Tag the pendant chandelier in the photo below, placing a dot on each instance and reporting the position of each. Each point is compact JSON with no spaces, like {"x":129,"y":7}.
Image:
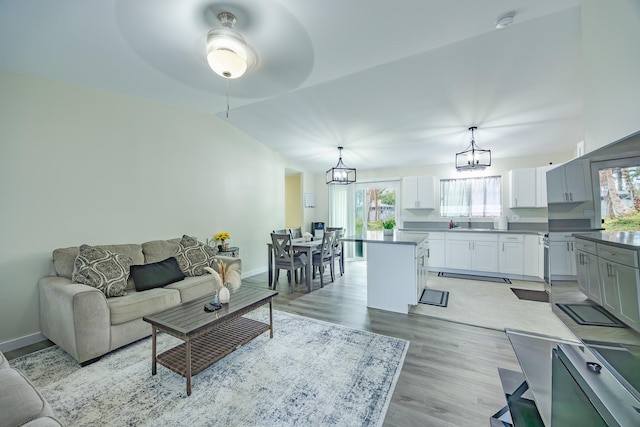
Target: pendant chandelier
{"x":340,"y":174}
{"x":474,"y":157}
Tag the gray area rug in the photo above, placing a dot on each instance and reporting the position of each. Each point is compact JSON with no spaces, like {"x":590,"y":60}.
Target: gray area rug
{"x":592,"y":315}
{"x":434,"y":297}
{"x":310,"y":373}
{"x":474,"y":277}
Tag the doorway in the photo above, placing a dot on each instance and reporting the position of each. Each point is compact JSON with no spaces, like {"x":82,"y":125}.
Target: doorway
{"x":374,"y":203}
{"x":293,"y":210}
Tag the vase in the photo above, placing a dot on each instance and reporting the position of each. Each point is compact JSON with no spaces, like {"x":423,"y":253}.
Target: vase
{"x":387,"y":232}
{"x":219,"y":248}
{"x":224,"y":295}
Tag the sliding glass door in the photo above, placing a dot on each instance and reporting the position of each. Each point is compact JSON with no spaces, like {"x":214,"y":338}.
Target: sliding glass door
{"x":374,"y":203}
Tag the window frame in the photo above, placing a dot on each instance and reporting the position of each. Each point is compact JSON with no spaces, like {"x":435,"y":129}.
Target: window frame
{"x":488,"y":212}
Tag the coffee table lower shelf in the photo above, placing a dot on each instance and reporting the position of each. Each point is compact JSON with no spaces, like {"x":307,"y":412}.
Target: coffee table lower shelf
{"x":212,"y":346}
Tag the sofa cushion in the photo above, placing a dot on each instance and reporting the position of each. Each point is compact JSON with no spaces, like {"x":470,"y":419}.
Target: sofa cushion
{"x":157,"y":250}
{"x":156,"y":274}
{"x":64,"y":258}
{"x":136,"y":305}
{"x":104,"y":270}
{"x":194,"y":287}
{"x":193,"y":256}
{"x":20,"y":402}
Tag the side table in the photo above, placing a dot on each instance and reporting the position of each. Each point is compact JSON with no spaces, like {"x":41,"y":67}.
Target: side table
{"x":232,"y":251}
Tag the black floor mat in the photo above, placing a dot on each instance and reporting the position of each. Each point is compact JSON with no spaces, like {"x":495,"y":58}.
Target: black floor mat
{"x":530,"y":295}
{"x":434,"y":297}
{"x":472,"y":277}
{"x":592,"y":315}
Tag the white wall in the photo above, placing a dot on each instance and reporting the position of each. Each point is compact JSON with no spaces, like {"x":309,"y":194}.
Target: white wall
{"x":447,"y":170}
{"x":611,"y":58}
{"x":79,"y":165}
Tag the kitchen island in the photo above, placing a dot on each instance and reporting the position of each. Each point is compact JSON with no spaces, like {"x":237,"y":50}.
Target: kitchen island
{"x":397,"y":268}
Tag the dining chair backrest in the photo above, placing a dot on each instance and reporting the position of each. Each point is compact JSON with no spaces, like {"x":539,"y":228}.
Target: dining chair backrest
{"x":326,"y":248}
{"x":281,"y":231}
{"x":296,"y":233}
{"x":281,"y":243}
{"x":337,"y":240}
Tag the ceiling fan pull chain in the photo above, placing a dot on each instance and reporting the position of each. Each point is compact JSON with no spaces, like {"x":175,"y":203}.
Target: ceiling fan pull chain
{"x":227,"y":98}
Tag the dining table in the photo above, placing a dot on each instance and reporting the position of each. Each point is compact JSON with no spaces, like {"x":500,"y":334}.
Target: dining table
{"x":299,"y":245}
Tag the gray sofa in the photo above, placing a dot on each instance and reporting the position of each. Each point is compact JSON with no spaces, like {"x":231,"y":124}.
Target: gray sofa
{"x":21,"y":404}
{"x":87,"y":325}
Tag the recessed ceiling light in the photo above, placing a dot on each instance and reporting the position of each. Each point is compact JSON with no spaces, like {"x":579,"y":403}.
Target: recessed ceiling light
{"x":505,"y":20}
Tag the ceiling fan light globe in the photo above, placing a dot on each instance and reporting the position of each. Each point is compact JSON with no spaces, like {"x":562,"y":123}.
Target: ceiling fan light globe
{"x":226,"y":63}
{"x":226,"y":53}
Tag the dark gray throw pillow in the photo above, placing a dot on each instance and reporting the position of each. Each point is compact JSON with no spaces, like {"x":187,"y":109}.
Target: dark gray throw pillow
{"x":156,"y":274}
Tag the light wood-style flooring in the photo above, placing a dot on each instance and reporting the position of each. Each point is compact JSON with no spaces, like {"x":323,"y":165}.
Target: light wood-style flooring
{"x":449,"y":377}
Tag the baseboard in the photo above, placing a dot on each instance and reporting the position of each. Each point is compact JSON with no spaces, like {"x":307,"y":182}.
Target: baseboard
{"x":250,"y":273}
{"x":22,"y":342}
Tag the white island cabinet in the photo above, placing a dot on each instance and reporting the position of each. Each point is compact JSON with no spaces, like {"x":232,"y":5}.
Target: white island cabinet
{"x":397,"y":268}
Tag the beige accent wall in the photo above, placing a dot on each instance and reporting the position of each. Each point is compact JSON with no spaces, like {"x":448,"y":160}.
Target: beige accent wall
{"x":611,"y":58}
{"x":293,"y":201}
{"x":79,"y":165}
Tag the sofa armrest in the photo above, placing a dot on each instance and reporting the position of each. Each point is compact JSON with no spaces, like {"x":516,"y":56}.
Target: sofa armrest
{"x":75,"y":316}
{"x":228,"y":261}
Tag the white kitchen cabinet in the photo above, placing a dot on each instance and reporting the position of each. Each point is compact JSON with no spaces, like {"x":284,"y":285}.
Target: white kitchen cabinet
{"x":458,"y":254}
{"x":472,"y":251}
{"x":422,"y":267}
{"x":522,"y":188}
{"x":436,"y":251}
{"x":620,"y":278}
{"x":511,"y":254}
{"x":533,"y":252}
{"x":484,"y":255}
{"x":587,"y":270}
{"x":418,"y":192}
{"x":541,"y":185}
{"x":569,"y":183}
{"x":562,"y":256}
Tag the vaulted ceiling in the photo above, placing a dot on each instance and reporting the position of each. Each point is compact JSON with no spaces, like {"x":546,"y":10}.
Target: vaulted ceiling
{"x":395,"y":83}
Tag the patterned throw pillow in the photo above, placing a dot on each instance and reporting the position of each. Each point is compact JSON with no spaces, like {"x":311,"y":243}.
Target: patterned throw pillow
{"x":193,"y":256}
{"x":104,"y":270}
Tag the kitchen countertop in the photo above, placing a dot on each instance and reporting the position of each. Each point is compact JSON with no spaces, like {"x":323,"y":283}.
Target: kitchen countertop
{"x":626,"y":240}
{"x":399,"y":237}
{"x":471,"y":230}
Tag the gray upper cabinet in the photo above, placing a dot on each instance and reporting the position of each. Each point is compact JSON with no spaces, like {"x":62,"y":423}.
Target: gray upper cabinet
{"x":569,"y":183}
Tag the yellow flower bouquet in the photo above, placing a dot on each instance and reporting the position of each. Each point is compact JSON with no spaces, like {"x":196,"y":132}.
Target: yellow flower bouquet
{"x":222,"y":236}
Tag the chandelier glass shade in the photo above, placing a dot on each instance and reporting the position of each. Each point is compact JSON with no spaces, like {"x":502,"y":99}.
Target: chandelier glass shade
{"x":341,"y":174}
{"x":227,"y":52}
{"x":474,"y":157}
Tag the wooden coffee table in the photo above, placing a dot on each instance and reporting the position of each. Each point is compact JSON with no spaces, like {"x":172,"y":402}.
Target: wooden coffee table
{"x":208,"y":337}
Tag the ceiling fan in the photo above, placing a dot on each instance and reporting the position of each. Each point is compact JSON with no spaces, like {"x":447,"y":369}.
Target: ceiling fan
{"x":172,"y":37}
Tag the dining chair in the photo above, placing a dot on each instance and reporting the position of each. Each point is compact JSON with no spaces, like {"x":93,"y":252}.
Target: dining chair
{"x":296,"y":233}
{"x":286,"y":259}
{"x":324,"y":256}
{"x":337,"y":246}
